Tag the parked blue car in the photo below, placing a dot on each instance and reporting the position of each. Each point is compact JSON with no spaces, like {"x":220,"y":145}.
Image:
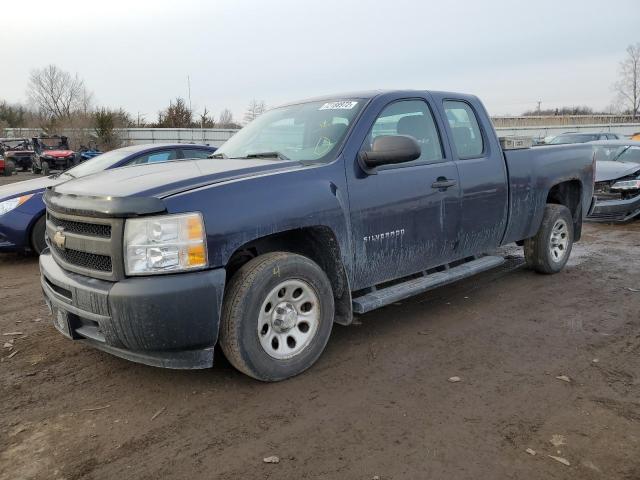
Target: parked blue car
{"x":22,"y":221}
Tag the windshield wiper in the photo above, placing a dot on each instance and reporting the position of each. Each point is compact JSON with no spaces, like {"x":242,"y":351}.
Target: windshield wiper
{"x":273,"y":154}
{"x":622,"y":152}
{"x":218,"y":155}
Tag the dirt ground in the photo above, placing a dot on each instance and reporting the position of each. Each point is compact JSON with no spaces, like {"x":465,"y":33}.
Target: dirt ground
{"x":378,"y":403}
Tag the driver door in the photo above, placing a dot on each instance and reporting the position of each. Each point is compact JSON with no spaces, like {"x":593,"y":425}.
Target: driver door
{"x":403,"y":219}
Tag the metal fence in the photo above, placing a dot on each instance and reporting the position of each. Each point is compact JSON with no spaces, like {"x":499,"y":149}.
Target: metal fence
{"x":217,"y":136}
{"x":560,"y":120}
{"x":137,"y":136}
{"x":552,"y":130}
{"x":209,"y":136}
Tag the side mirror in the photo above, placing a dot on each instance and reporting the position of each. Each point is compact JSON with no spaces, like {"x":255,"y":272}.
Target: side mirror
{"x":390,"y":149}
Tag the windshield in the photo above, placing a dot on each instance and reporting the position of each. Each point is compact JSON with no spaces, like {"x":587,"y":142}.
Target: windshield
{"x":626,"y":154}
{"x":16,"y":143}
{"x":99,"y":163}
{"x":573,"y":139}
{"x":51,"y":144}
{"x":306,"y":131}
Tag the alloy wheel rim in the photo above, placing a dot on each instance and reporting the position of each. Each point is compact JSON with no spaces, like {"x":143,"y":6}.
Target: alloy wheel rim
{"x":289,"y":319}
{"x":559,"y":241}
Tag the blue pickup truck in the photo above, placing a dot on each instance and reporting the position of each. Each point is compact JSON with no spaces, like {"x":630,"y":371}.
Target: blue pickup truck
{"x":315,"y":212}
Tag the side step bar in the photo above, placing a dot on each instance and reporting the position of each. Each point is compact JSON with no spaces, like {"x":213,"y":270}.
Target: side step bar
{"x":395,"y":293}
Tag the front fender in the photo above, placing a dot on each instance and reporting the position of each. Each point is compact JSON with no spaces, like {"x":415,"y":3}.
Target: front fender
{"x":16,"y":225}
{"x":241,"y":211}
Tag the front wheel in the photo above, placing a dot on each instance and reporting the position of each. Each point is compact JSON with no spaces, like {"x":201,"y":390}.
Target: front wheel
{"x":548,"y":251}
{"x":277,"y":316}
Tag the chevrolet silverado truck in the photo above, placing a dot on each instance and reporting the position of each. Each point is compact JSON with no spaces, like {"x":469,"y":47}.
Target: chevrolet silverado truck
{"x":313,"y":213}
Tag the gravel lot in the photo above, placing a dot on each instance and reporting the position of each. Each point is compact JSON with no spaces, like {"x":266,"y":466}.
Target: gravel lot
{"x":378,"y":403}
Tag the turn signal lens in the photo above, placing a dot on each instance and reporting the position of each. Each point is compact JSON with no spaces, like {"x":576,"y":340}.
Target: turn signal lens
{"x":194,"y":228}
{"x":197,"y":256}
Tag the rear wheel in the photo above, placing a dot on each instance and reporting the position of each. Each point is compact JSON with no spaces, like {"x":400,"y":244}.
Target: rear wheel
{"x":549,"y":250}
{"x":277,"y":316}
{"x":37,"y":236}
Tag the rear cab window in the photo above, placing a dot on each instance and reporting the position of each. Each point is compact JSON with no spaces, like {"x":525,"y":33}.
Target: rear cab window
{"x":465,"y":130}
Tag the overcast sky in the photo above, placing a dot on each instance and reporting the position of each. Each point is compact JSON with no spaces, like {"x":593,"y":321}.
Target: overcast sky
{"x":137,"y":54}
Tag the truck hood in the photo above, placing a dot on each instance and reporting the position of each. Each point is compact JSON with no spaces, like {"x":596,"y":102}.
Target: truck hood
{"x":29,"y":186}
{"x":138,"y":190}
{"x":607,"y":170}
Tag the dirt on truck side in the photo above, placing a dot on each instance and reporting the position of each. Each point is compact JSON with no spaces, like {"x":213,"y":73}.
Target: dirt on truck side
{"x":548,"y":388}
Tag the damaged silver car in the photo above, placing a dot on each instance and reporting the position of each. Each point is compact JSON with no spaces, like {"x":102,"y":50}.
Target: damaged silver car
{"x":617,"y":187}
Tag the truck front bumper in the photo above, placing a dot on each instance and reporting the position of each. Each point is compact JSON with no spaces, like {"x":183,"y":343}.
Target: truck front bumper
{"x":615,"y":210}
{"x":166,"y":321}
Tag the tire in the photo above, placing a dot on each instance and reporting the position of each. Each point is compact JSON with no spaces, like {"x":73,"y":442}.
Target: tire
{"x":276,"y":295}
{"x":549,"y":250}
{"x":9,"y":168}
{"x":45,"y":169}
{"x":37,"y":236}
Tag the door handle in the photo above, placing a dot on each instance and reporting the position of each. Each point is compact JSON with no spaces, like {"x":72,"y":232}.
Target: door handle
{"x":442,"y":183}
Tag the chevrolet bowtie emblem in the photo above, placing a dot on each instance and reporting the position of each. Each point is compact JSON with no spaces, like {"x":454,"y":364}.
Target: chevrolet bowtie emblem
{"x":59,"y":239}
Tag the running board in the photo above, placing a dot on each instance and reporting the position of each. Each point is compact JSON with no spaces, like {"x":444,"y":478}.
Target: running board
{"x":384,"y":296}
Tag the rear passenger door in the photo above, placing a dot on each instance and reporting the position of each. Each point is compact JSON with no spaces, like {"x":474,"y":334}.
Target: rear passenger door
{"x":483,"y":177}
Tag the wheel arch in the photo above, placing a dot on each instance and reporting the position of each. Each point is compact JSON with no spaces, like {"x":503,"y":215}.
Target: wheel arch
{"x":569,"y":194}
{"x":320,"y":244}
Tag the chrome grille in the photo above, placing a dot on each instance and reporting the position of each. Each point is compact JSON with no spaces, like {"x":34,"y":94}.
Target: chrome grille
{"x":91,"y":229}
{"x":86,"y":245}
{"x":101,"y":263}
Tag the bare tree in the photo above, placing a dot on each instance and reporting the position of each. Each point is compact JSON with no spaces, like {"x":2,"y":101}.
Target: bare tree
{"x":254,"y":110}
{"x":226,"y":119}
{"x":58,"y":94}
{"x":628,"y":85}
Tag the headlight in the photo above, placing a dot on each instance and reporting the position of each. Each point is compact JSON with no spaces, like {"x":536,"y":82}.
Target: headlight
{"x":12,"y":203}
{"x":164,"y":244}
{"x":626,"y":185}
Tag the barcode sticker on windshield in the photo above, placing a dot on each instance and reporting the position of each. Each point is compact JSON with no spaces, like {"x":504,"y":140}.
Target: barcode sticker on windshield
{"x":342,"y":105}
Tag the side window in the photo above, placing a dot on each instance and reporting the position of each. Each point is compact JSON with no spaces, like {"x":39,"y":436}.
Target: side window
{"x":195,"y":153}
{"x":413,"y":118}
{"x":155,"y":157}
{"x":467,"y":137}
